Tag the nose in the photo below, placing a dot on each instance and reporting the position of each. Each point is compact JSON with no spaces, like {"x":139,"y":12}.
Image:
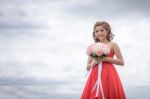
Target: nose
{"x":99,"y":32}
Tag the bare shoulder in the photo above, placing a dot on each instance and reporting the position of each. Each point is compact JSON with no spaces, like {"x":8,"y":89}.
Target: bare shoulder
{"x":114,"y":45}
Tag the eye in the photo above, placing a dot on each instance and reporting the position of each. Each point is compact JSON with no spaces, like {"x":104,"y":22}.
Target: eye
{"x":96,"y":31}
{"x":102,"y":30}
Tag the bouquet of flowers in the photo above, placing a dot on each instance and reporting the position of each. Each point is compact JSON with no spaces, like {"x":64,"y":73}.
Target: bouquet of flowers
{"x":98,"y":50}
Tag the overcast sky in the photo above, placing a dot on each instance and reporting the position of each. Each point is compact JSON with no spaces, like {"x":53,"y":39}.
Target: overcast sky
{"x":43,"y":43}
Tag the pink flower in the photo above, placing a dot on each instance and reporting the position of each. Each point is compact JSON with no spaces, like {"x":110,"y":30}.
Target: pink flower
{"x":97,"y":50}
{"x":89,"y":50}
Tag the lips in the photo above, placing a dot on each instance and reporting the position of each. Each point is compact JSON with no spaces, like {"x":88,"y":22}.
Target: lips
{"x":100,"y":37}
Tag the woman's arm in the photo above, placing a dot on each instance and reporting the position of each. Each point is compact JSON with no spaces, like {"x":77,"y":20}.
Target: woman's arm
{"x":117,"y":51}
{"x":91,"y":61}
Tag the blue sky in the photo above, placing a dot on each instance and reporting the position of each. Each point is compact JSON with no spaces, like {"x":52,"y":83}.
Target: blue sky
{"x":43,"y":43}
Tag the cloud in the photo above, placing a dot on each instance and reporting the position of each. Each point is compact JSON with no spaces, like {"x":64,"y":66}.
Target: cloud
{"x":35,"y":88}
{"x":109,"y":9}
{"x":42,"y":46}
{"x":22,"y":16}
{"x":138,"y":92}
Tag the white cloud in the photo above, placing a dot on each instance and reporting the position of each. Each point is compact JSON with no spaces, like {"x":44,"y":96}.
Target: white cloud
{"x":47,"y":40}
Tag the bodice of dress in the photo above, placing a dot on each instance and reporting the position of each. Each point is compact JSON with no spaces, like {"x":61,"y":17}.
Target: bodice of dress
{"x":111,"y":53}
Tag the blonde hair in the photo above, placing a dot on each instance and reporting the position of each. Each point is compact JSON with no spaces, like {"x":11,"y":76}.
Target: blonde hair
{"x":107,"y":27}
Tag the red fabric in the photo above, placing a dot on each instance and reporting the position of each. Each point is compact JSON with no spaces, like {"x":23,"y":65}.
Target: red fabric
{"x":111,"y":83}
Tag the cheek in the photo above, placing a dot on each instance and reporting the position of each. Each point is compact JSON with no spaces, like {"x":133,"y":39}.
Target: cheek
{"x":105,"y":33}
{"x":95,"y":34}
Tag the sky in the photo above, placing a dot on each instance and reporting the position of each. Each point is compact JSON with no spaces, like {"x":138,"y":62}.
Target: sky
{"x":43,"y":43}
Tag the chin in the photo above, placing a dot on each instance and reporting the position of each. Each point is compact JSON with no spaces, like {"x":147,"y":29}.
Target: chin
{"x":101,"y":39}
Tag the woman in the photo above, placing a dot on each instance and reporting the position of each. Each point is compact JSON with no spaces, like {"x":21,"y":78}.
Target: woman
{"x":111,"y":85}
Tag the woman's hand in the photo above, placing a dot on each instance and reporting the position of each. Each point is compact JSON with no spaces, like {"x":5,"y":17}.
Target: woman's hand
{"x":94,"y":62}
{"x":99,"y":60}
{"x":88,"y":67}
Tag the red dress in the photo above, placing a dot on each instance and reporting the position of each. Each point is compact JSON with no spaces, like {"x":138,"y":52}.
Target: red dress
{"x":111,"y":84}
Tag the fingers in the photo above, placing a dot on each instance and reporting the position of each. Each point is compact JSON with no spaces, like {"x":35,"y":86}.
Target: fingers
{"x":95,"y":62}
{"x":88,"y":68}
{"x":98,"y":60}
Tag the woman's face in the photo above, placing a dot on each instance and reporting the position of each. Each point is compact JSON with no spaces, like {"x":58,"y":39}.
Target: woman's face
{"x":100,"y":33}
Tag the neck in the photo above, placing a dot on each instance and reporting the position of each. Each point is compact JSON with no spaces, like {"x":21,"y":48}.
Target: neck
{"x":104,"y":41}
